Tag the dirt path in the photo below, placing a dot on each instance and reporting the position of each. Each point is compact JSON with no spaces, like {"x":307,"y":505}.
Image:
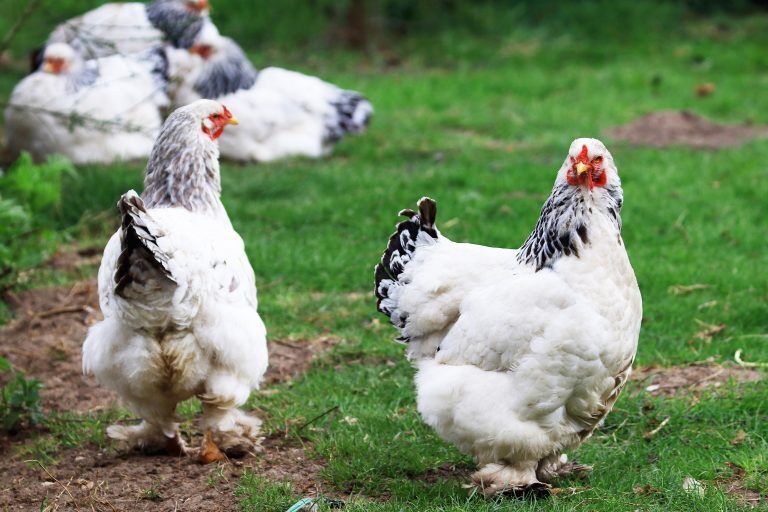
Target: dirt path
{"x":683,"y":128}
{"x":44,"y":340}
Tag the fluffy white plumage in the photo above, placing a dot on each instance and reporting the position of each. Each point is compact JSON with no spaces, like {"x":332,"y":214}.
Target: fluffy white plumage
{"x":179,"y":297}
{"x":95,"y":111}
{"x":520,"y":353}
{"x":126,"y":28}
{"x":286,"y":113}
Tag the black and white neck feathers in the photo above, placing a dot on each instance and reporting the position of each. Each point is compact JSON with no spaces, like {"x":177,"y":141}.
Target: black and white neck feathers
{"x":179,"y":24}
{"x":564,"y":225}
{"x":82,"y":76}
{"x":183,"y":169}
{"x":225,"y":72}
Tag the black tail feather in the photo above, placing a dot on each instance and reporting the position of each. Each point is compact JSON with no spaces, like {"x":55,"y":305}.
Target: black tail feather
{"x":399,"y":251}
{"x":140,"y":250}
{"x":354,"y":114}
{"x":36,"y":58}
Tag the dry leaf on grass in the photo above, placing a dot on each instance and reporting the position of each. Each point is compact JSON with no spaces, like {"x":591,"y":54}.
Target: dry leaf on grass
{"x":646,"y":490}
{"x":709,"y":331}
{"x":685,"y":289}
{"x":693,"y":486}
{"x":648,"y":435}
{"x":706,"y":89}
{"x":739,"y":438}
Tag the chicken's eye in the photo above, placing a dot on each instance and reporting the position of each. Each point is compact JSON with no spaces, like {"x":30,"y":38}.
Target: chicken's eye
{"x":216,"y":116}
{"x":598,"y":159}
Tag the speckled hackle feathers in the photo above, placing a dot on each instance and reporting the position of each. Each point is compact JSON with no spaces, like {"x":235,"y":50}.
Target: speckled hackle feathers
{"x":399,"y":251}
{"x":183,"y":169}
{"x":139,"y":242}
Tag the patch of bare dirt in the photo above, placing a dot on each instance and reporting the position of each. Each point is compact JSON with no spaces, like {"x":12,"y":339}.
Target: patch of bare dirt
{"x":683,"y":128}
{"x":693,"y":378}
{"x":288,"y":359}
{"x":735,"y":487}
{"x":44,"y":340}
{"x":86,"y":478}
{"x":91,"y":478}
{"x":286,"y":460}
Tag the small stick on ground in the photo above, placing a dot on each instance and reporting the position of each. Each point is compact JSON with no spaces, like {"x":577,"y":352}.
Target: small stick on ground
{"x":655,"y":431}
{"x":286,"y":344}
{"x":745,"y":364}
{"x":61,"y":311}
{"x":308,"y":423}
{"x":66,"y":488}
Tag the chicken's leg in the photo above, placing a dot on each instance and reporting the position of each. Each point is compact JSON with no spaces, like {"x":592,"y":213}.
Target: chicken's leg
{"x":556,"y":466}
{"x":517,"y":479}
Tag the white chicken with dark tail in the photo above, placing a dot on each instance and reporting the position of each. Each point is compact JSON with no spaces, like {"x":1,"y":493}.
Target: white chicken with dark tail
{"x":126,"y":28}
{"x":287,"y":113}
{"x":179,"y":297}
{"x":94,"y":111}
{"x":521,"y":353}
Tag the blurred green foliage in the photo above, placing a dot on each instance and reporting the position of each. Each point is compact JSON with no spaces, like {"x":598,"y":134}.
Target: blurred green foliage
{"x":30,"y":198}
{"x":325,"y":23}
{"x":19,"y":399}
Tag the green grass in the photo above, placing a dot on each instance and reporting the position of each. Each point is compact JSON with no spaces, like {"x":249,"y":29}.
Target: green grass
{"x":481,"y":123}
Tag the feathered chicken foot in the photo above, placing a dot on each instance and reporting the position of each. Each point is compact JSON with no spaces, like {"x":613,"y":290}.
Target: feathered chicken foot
{"x":209,"y":451}
{"x":518,"y":480}
{"x":557,"y":466}
{"x":233,"y":431}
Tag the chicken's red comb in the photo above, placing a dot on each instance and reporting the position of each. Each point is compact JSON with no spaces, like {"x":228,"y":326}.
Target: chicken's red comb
{"x":584,"y":155}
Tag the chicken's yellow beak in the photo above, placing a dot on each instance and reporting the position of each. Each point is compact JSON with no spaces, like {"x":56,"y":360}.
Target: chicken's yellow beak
{"x":233,"y":120}
{"x":581,"y":168}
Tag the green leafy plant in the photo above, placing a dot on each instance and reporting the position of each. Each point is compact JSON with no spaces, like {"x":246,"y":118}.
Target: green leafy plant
{"x":19,"y":399}
{"x":30,"y":195}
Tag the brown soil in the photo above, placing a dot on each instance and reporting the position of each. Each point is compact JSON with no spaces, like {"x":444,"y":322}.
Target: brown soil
{"x":44,"y":340}
{"x":696,"y":377}
{"x":446,"y":472}
{"x":683,"y":128}
{"x":735,"y":487}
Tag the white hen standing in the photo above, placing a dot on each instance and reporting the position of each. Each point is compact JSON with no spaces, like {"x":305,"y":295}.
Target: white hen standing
{"x":132,"y":27}
{"x":287,"y":113}
{"x":95,"y":111}
{"x":521,"y":353}
{"x":179,"y":297}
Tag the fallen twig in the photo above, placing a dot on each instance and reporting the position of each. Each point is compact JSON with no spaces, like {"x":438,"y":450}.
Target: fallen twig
{"x":66,"y":489}
{"x":745,"y":364}
{"x":61,"y":311}
{"x":308,"y":423}
{"x":287,"y":344}
{"x":655,"y":431}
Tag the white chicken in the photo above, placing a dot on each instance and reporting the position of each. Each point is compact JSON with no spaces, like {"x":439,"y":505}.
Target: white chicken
{"x":132,"y":27}
{"x":179,"y":297}
{"x":287,"y":113}
{"x":95,"y":111}
{"x":521,"y":353}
